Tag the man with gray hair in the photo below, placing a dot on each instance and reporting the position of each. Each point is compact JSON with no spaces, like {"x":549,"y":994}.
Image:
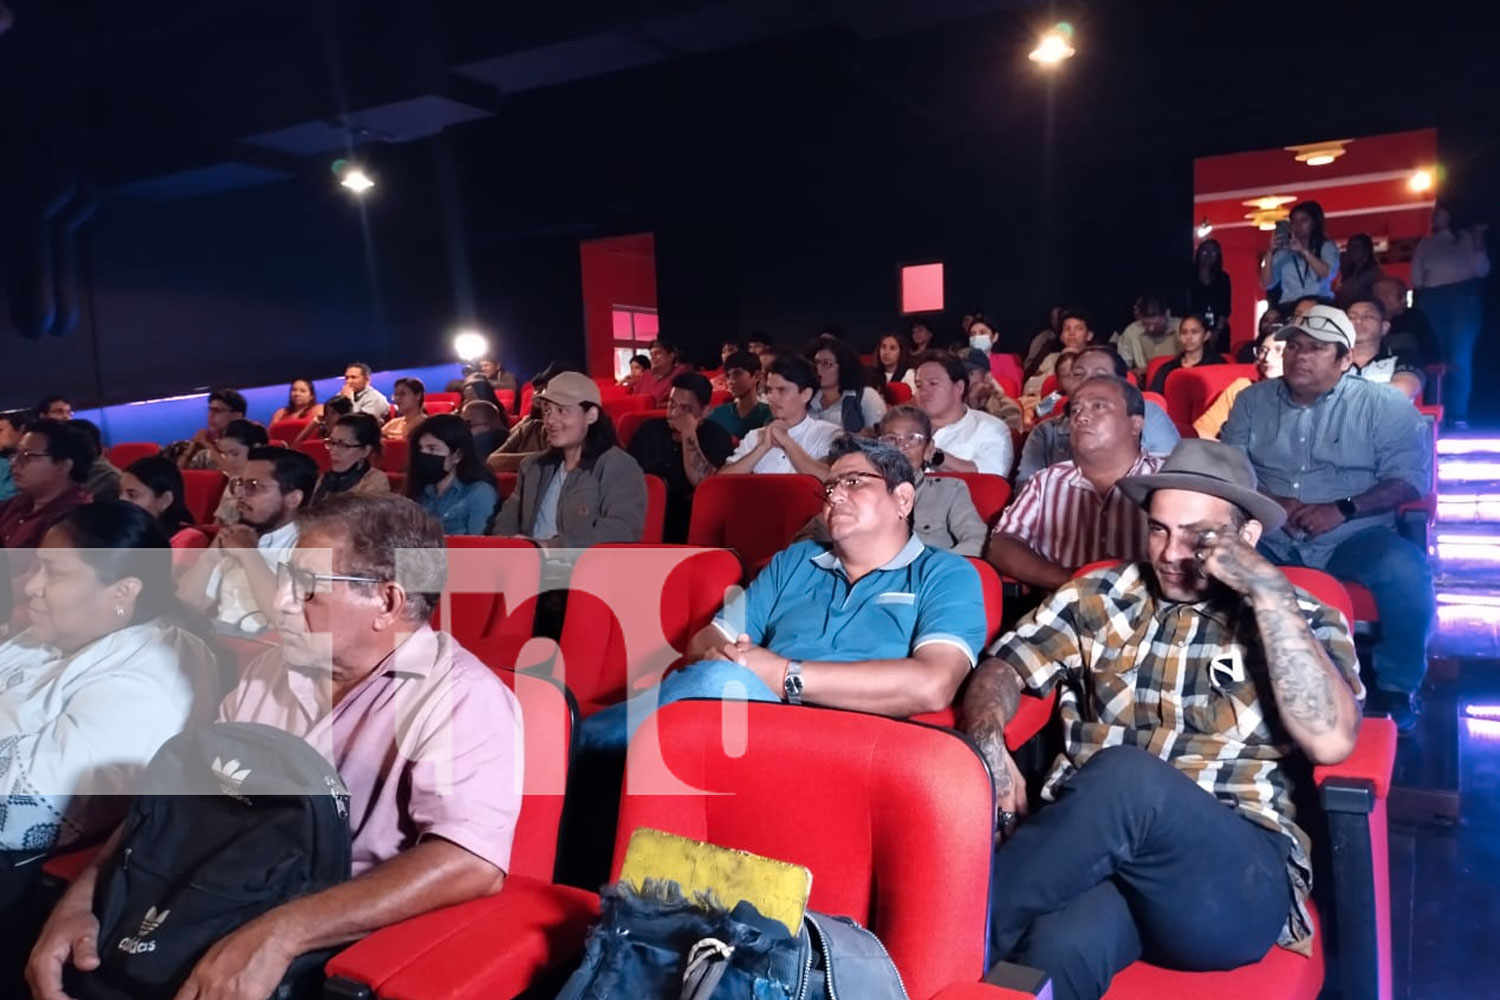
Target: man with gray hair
{"x":871,"y":620}
{"x":425,"y":737}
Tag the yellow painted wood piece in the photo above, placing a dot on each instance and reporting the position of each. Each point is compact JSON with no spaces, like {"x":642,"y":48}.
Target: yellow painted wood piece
{"x":777,"y":889}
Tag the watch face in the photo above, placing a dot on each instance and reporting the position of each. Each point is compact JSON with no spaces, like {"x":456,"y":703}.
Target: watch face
{"x":794,"y":684}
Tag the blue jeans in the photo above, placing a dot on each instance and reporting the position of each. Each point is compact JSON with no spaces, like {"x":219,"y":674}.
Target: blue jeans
{"x":1456,"y":313}
{"x":1132,"y":861}
{"x":611,"y":729}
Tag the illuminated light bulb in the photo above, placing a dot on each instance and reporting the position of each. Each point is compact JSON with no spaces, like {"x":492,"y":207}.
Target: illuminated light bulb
{"x":1420,"y":181}
{"x":1203,"y":229}
{"x":470,"y":345}
{"x":1055,"y":46}
{"x":356,"y":180}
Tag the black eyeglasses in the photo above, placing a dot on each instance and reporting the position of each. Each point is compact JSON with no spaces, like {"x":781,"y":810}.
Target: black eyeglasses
{"x":22,"y":457}
{"x":304,"y":582}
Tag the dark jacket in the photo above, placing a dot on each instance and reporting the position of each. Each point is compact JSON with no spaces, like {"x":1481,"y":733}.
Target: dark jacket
{"x":603,"y":500}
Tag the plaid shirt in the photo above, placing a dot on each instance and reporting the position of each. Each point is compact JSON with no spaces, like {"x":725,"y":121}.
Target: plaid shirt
{"x":1186,"y":682}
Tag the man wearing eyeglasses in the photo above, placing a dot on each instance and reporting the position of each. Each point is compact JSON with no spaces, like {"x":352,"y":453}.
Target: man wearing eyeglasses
{"x":1341,"y":454}
{"x":235,"y":577}
{"x":49,"y":467}
{"x":224,"y":407}
{"x":424,"y":736}
{"x":870,"y":621}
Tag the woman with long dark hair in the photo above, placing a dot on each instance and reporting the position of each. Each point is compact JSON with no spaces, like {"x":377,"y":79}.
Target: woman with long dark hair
{"x":301,"y":402}
{"x":584,"y":489}
{"x":1301,"y":260}
{"x":352,"y":443}
{"x":446,"y":476}
{"x":1192,"y":336}
{"x":920,"y":336}
{"x":1358,"y":272}
{"x":1211,"y":294}
{"x":844,"y":395}
{"x":1446,"y":272}
{"x":410,"y":399}
{"x":893,"y":361}
{"x":154,"y":484}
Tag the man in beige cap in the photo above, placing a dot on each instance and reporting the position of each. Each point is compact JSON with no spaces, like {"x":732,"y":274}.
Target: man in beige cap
{"x":1187,"y":683}
{"x":1340,"y":454}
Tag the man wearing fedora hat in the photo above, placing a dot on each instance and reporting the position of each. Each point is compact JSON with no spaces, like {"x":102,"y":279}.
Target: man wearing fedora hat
{"x":1340,"y":454}
{"x":1187,"y":683}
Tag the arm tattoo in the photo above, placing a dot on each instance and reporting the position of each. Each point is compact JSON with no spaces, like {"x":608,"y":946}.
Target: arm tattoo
{"x":1300,"y":672}
{"x":993,"y":697}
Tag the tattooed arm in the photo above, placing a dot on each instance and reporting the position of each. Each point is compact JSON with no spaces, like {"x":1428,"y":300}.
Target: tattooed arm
{"x":992,"y":699}
{"x":1317,"y":708}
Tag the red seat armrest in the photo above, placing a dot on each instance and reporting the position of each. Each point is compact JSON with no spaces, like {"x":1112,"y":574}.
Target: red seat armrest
{"x":981,"y":991}
{"x":1031,"y":715}
{"x":1373,"y":759}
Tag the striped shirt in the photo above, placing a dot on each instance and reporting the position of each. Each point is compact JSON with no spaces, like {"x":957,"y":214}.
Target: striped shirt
{"x":1061,"y":516}
{"x":1183,"y":682}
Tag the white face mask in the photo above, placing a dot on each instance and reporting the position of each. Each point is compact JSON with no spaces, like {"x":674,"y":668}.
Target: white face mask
{"x":980,"y":342}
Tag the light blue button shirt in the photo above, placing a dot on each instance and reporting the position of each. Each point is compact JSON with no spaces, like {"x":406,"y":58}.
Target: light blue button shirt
{"x":544,"y":525}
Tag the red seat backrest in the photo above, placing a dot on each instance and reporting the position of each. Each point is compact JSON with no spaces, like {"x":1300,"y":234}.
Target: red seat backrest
{"x":756,"y":515}
{"x":895,"y":826}
{"x":990,"y":493}
{"x":621,"y":405}
{"x":656,"y":510}
{"x":453,"y":399}
{"x":628,"y":423}
{"x":1049,"y":385}
{"x":617,"y":595}
{"x":202,"y":489}
{"x":548,"y":734}
{"x":1154,"y":365}
{"x":489,"y":605}
{"x":718,"y":398}
{"x":527,"y":392}
{"x":432,"y":407}
{"x":286,"y":430}
{"x":122,"y":454}
{"x":395,"y":454}
{"x":507,"y":399}
{"x":317,"y":450}
{"x":398,"y":482}
{"x":1191,"y":391}
{"x":994,"y":597}
{"x":505,"y":483}
{"x":899,"y":392}
{"x":1157,"y":398}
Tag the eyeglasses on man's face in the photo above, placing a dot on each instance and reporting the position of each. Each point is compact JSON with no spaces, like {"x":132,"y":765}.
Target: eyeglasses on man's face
{"x":904,"y":440}
{"x":303,"y":583}
{"x":242,"y":487}
{"x":849,"y":482}
{"x":22,"y":457}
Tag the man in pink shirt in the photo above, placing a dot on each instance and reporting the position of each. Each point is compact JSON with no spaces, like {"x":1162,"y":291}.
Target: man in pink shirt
{"x":425,"y":737}
{"x":666,"y":364}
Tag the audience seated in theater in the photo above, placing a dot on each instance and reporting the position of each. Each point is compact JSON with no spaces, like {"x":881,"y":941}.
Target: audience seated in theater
{"x":318,"y":428}
{"x":636,"y":370}
{"x":477,"y":388}
{"x":793,"y":441}
{"x":919,"y":334}
{"x":1358,"y":272}
{"x":486,"y":423}
{"x":967,"y":440}
{"x":943,"y":515}
{"x":1193,"y":336}
{"x":1411,"y":330}
{"x":154,"y":484}
{"x":53,"y":408}
{"x":758,"y":342}
{"x":12,"y":426}
{"x":103,"y":482}
{"x":301,"y":402}
{"x":986,"y":395}
{"x":352,"y":443}
{"x":445,"y":476}
{"x":49,"y":467}
{"x":893,"y":362}
{"x":234,"y":579}
{"x":1048,"y":442}
{"x":106,"y":672}
{"x":981,"y":335}
{"x":1372,"y":358}
{"x":1340,"y":454}
{"x":1271,"y":320}
{"x":1195,"y":685}
{"x":873,"y":621}
{"x":233,"y":450}
{"x":499,"y":379}
{"x":409,"y":396}
{"x":1267,"y":353}
{"x":682,"y":448}
{"x":583,"y":490}
{"x":844,"y":397}
{"x":1152,"y":335}
{"x":745,"y":411}
{"x":432,"y":813}
{"x":528,"y":436}
{"x":1049,"y":406}
{"x":1076,"y":334}
{"x":1047,"y":339}
{"x":224,"y":405}
{"x":1074,"y":513}
{"x":365,"y":397}
{"x":666,"y":364}
{"x":727,"y":350}
{"x":1302,"y":262}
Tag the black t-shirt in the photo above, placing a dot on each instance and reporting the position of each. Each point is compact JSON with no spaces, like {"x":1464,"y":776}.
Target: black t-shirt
{"x":659,"y":455}
{"x":1411,"y":334}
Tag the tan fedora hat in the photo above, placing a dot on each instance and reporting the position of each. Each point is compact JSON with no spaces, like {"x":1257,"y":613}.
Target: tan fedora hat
{"x":1200,"y":465}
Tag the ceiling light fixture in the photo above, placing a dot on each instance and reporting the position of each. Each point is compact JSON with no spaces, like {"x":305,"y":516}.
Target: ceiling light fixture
{"x":1055,"y":45}
{"x":1420,"y":180}
{"x":1204,"y":228}
{"x":1270,"y":202}
{"x":352,"y":177}
{"x":1319,"y":154}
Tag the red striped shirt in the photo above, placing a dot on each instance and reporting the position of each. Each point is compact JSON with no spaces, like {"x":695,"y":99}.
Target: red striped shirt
{"x":1060,"y":515}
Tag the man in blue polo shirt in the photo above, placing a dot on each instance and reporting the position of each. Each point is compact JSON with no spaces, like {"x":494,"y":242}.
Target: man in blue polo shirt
{"x":873,"y":621}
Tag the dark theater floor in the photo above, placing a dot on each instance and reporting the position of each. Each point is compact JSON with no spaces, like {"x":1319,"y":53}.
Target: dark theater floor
{"x":1445,"y":807}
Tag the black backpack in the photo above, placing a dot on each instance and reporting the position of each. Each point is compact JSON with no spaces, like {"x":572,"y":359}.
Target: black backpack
{"x":232,"y":821}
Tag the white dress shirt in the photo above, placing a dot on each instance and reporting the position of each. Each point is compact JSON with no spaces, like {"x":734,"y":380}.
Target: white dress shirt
{"x":813,"y":436}
{"x":229,"y":587}
{"x":979,"y":438}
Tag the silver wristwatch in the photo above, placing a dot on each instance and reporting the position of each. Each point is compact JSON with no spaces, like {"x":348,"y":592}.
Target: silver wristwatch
{"x":791,"y":686}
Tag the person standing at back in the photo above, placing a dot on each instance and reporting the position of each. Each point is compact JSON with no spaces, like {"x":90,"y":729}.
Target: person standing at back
{"x":1301,"y":261}
{"x":1211,"y":293}
{"x":1446,"y":271}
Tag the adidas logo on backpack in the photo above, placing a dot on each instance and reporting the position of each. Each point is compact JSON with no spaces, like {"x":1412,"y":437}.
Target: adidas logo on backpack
{"x":231,"y":777}
{"x":138,"y":945}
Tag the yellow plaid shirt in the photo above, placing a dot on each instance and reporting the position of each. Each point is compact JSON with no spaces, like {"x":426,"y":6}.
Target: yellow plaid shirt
{"x":1186,"y":682}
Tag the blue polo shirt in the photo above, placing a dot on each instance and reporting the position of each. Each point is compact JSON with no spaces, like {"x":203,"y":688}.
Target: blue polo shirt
{"x":802,"y":606}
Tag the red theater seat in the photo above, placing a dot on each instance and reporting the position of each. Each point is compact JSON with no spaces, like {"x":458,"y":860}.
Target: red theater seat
{"x":1191,"y":391}
{"x":718,"y":398}
{"x":432,"y":407}
{"x":994,"y":604}
{"x":990,"y":493}
{"x":202,"y":490}
{"x":656,"y":510}
{"x":628,"y":423}
{"x":121,"y":455}
{"x":395,"y":454}
{"x":897,"y":393}
{"x":452,"y":400}
{"x":633,"y":611}
{"x":757,"y":516}
{"x":489,"y":604}
{"x":286,"y":431}
{"x":621,"y":405}
{"x":1154,"y":365}
{"x":505,"y":483}
{"x":317,"y":450}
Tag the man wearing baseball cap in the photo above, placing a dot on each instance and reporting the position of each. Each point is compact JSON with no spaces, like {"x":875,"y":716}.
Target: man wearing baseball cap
{"x":1340,"y":454}
{"x":1187,"y":683}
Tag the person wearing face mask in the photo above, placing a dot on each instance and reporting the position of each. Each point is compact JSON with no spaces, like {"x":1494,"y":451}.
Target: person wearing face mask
{"x":444,"y":475}
{"x":584,"y":489}
{"x":1267,"y":365}
{"x":352,"y":443}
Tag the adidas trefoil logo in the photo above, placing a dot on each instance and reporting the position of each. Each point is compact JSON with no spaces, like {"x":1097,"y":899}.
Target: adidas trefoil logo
{"x":231,"y":776}
{"x":138,"y":945}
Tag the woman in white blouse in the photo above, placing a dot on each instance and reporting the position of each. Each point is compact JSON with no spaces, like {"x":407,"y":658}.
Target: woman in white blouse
{"x":103,"y":675}
{"x":844,"y":397}
{"x":1446,"y":271}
